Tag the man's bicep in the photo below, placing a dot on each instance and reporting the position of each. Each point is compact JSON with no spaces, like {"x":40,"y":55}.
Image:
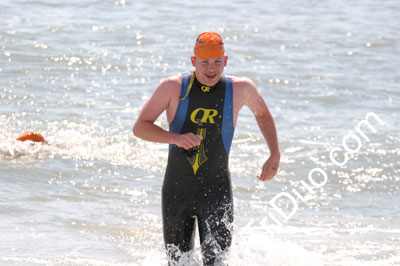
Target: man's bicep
{"x":155,"y":105}
{"x":255,"y":101}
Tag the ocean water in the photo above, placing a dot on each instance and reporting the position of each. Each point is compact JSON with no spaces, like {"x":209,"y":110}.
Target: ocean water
{"x":79,"y":71}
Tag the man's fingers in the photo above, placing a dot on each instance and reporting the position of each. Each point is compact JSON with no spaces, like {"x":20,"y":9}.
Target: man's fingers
{"x":193,"y":140}
{"x":189,"y":140}
{"x":268,"y":172}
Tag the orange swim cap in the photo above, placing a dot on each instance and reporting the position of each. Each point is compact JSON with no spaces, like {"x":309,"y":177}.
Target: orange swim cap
{"x":32,"y":136}
{"x":209,"y":45}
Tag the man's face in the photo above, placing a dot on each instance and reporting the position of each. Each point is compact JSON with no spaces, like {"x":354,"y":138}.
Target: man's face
{"x":209,"y":70}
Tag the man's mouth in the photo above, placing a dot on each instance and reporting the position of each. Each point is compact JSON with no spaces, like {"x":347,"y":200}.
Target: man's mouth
{"x":211,"y":76}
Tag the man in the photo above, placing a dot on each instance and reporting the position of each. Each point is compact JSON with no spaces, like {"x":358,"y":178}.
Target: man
{"x":202,"y":109}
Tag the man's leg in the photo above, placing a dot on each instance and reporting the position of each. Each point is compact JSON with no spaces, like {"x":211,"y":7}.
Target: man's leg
{"x":178,"y":229}
{"x":216,"y":234}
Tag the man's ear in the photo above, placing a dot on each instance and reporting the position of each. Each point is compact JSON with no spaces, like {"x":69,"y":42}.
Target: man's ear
{"x":193,"y":59}
{"x":226,"y":60}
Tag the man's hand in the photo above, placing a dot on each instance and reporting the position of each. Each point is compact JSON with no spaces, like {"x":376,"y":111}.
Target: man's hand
{"x":187,"y":140}
{"x":270,"y":168}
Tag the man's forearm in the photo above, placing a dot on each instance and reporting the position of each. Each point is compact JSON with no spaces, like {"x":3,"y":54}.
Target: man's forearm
{"x":147,"y":130}
{"x":268,"y":129}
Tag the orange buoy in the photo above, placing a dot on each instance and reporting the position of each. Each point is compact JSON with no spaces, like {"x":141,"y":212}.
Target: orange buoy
{"x":32,"y":136}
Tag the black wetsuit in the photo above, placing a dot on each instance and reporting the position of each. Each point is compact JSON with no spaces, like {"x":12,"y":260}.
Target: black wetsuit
{"x":197,"y":182}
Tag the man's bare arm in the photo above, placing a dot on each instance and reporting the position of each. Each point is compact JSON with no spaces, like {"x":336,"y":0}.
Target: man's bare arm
{"x":254,"y":100}
{"x":145,"y":128}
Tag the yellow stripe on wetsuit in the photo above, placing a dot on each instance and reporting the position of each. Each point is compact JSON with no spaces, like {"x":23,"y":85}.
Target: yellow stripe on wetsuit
{"x":190,"y":86}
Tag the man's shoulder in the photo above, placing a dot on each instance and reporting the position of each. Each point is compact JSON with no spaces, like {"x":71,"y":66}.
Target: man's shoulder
{"x":242,"y":82}
{"x":174,"y":81}
{"x":170,"y":86}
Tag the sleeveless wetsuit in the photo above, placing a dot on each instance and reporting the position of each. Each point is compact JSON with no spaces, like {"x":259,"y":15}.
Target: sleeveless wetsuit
{"x":197,"y":182}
